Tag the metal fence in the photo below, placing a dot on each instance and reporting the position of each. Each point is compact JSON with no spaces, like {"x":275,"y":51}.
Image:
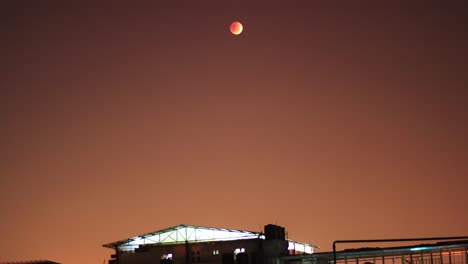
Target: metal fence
{"x":452,"y":252}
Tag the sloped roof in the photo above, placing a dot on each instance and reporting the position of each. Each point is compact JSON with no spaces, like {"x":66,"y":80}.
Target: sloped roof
{"x":183,"y":233}
{"x":189,"y":233}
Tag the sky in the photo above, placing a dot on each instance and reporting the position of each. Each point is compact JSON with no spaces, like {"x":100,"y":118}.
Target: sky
{"x":334,"y":119}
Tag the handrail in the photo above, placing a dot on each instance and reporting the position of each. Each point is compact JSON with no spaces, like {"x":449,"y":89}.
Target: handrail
{"x":391,"y":240}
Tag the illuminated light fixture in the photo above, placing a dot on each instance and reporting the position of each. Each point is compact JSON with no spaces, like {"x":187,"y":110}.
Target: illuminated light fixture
{"x":239,"y":250}
{"x":300,"y":247}
{"x":419,"y":248}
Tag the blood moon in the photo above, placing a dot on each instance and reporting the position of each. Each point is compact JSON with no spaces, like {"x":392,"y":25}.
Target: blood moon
{"x":236,"y":28}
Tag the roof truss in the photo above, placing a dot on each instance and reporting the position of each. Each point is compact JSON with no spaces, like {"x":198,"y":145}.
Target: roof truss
{"x":182,"y":234}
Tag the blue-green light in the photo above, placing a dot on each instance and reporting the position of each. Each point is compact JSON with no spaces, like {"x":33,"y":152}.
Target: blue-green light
{"x":419,"y":248}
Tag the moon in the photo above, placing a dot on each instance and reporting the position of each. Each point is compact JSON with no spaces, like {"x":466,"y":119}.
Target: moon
{"x":236,"y":28}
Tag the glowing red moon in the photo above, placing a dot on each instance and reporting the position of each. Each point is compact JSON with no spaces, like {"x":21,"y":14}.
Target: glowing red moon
{"x":236,"y":28}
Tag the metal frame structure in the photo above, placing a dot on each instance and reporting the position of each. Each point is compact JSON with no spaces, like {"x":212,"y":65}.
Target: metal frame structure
{"x":182,"y":234}
{"x":444,"y":250}
{"x":417,"y":248}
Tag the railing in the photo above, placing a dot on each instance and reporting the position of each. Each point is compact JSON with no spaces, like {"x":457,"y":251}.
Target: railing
{"x":442,"y":251}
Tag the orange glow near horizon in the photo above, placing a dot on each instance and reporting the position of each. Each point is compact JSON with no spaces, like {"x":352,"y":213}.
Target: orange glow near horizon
{"x":335,"y":121}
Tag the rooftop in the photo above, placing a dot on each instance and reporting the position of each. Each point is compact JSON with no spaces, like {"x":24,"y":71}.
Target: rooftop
{"x":188,"y":233}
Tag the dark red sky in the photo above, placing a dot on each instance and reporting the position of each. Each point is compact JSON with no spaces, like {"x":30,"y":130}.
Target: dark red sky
{"x":337,"y":121}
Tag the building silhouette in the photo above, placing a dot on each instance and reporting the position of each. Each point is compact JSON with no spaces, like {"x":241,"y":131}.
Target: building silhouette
{"x":186,"y":244}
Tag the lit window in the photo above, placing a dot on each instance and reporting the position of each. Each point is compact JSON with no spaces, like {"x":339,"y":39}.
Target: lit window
{"x":166,"y":256}
{"x":216,"y":252}
{"x":239,"y":250}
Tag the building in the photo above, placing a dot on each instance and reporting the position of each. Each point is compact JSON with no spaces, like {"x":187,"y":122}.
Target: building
{"x":186,"y":244}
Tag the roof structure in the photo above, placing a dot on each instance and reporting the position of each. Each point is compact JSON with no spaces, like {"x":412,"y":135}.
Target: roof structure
{"x":187,"y":233}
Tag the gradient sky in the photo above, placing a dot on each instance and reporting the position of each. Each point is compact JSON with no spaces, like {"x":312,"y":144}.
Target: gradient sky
{"x":336,"y":120}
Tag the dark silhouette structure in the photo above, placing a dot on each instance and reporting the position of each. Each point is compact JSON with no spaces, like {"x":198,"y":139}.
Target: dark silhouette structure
{"x":186,"y":244}
{"x":442,"y":252}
